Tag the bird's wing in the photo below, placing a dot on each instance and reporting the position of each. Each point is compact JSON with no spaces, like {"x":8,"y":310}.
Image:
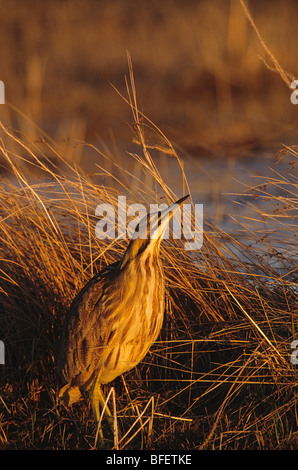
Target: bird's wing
{"x":78,"y":340}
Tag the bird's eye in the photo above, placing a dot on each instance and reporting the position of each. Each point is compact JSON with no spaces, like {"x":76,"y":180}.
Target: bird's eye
{"x":159,"y":218}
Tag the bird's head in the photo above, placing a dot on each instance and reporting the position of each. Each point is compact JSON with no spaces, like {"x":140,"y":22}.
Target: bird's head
{"x":149,"y":232}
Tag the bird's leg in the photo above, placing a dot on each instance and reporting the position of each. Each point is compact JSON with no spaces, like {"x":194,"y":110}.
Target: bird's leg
{"x":98,"y":401}
{"x":95,"y":396}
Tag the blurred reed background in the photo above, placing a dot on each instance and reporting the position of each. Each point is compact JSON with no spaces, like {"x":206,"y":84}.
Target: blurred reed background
{"x":198,"y":69}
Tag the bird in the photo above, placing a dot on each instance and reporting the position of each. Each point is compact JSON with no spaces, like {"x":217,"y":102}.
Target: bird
{"x":116,"y":317}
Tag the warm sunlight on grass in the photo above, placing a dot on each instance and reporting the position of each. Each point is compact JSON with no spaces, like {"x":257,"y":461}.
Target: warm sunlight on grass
{"x":220,"y":375}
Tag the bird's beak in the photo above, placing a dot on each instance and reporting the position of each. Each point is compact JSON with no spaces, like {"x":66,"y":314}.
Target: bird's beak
{"x":150,"y":231}
{"x":159,"y":221}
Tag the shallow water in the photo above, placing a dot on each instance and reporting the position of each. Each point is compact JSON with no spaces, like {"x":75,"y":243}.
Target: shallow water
{"x":225,"y":188}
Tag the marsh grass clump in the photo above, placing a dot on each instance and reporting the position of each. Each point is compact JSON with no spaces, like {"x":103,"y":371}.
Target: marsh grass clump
{"x":220,"y":375}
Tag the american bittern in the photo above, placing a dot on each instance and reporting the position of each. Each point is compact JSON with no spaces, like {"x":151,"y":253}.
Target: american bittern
{"x":116,"y":317}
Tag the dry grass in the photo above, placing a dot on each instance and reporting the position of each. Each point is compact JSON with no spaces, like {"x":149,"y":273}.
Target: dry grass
{"x":219,"y":377}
